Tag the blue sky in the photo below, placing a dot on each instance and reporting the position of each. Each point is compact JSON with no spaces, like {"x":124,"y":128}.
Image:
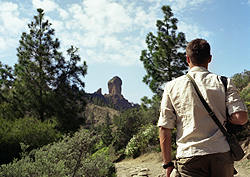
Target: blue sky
{"x":110,"y":34}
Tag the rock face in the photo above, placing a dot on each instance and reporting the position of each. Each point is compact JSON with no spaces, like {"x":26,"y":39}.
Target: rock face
{"x":115,"y":85}
{"x":115,"y":96}
{"x":99,"y":91}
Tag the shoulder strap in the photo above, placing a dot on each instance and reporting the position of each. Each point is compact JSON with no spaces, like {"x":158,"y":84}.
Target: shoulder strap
{"x":213,"y":116}
{"x":224,"y":81}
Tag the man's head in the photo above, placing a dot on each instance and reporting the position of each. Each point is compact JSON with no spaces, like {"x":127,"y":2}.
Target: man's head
{"x":198,"y":51}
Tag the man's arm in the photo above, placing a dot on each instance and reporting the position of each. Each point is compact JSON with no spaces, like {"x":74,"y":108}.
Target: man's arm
{"x":165,"y":142}
{"x":239,"y":118}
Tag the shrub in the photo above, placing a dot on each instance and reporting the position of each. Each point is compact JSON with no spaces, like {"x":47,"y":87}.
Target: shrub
{"x":68,"y":157}
{"x":146,"y":137}
{"x":28,"y":130}
{"x":108,"y":152}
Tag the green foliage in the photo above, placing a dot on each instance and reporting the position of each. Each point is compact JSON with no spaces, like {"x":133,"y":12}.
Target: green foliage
{"x":27,"y":130}
{"x":106,"y":134}
{"x":92,"y":121}
{"x":130,"y":121}
{"x":127,"y":124}
{"x":139,"y":143}
{"x":245,"y":96}
{"x":7,"y":110}
{"x":164,"y":59}
{"x":109,"y":153}
{"x":100,"y":102}
{"x":151,"y":108}
{"x":68,"y":157}
{"x":44,"y":84}
{"x":241,"y":80}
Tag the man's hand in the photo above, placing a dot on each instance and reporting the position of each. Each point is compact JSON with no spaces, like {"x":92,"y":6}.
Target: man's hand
{"x":239,"y":118}
{"x":168,"y":171}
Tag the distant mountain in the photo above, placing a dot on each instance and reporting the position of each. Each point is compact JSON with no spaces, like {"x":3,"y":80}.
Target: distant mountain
{"x":114,"y":97}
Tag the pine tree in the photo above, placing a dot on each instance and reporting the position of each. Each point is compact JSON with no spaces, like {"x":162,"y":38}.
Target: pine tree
{"x":92,"y":121}
{"x":107,"y":131}
{"x":164,"y":59}
{"x":8,"y":110}
{"x":46,"y":84}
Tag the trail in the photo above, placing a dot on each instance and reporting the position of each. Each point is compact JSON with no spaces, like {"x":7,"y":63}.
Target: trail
{"x":150,"y":165}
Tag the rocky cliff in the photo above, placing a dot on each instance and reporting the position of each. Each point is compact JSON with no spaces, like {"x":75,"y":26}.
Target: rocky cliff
{"x":114,"y":96}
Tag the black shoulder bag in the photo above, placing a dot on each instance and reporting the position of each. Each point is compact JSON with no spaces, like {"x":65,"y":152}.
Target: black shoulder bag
{"x":237,"y":152}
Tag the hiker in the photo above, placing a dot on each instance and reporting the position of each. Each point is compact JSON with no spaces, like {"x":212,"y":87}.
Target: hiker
{"x":202,"y":149}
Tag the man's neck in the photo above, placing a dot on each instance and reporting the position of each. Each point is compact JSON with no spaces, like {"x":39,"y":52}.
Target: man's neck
{"x":191,"y":66}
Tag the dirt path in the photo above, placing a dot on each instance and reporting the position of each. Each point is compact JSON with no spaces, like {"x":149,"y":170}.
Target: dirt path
{"x":151,"y":165}
{"x":243,"y":168}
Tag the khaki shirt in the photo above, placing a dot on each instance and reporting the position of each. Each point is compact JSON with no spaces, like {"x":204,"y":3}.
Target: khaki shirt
{"x":197,"y":133}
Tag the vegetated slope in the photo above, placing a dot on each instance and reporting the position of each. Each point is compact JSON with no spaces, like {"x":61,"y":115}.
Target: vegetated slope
{"x":99,"y":114}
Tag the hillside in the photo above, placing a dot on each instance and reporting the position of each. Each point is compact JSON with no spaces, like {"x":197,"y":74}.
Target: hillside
{"x":99,"y":114}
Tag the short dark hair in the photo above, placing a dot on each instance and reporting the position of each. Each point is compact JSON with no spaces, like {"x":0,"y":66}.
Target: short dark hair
{"x":198,"y":50}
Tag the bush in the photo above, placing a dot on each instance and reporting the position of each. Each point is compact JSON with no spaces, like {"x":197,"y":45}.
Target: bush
{"x":140,"y":143}
{"x":28,"y":130}
{"x":8,"y":111}
{"x":68,"y":157}
{"x":127,"y":124}
{"x":108,"y":152}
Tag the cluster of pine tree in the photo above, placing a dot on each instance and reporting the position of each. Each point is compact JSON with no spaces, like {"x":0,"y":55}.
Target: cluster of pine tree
{"x":43,"y":87}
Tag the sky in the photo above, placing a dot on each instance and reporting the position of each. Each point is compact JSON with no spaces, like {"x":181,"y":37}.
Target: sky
{"x":110,"y":34}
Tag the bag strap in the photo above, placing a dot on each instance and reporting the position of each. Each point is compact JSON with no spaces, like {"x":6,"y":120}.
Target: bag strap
{"x":212,"y":115}
{"x":224,"y":81}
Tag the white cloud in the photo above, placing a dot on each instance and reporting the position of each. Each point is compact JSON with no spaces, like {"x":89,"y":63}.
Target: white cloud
{"x":104,"y":17}
{"x":180,"y":5}
{"x":46,"y":5}
{"x":12,"y":24}
{"x":104,"y":30}
{"x":120,"y":52}
{"x":144,"y":19}
{"x":56,"y":24}
{"x":11,"y":27}
{"x":50,"y":6}
{"x":111,"y":43}
{"x":3,"y":44}
{"x":63,"y":13}
{"x":193,"y":31}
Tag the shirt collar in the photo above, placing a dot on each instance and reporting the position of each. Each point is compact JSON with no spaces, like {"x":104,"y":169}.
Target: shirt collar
{"x":198,"y":69}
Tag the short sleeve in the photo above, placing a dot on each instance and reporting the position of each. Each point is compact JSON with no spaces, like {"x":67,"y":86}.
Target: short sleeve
{"x":167,"y":117}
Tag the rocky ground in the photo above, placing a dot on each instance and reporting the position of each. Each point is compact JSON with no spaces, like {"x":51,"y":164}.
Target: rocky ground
{"x":150,"y":165}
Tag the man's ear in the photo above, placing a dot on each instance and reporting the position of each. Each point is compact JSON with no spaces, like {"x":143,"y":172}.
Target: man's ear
{"x":188,"y":59}
{"x":210,"y":59}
